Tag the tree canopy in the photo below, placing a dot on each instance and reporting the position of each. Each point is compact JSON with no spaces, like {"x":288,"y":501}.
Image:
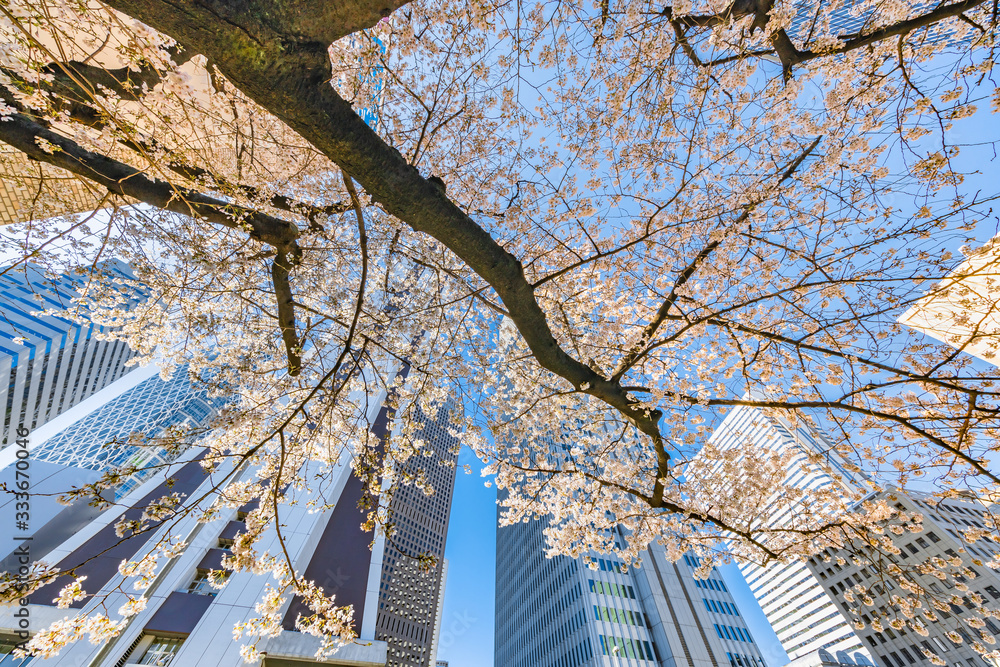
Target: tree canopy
{"x":601,"y":224}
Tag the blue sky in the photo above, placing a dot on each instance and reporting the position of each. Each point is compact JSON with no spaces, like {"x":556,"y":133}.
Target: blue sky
{"x":467,"y":620}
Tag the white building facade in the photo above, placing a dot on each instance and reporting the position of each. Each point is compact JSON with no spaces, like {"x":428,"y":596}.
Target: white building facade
{"x":941,"y":538}
{"x":804,"y":616}
{"x":188,"y":622}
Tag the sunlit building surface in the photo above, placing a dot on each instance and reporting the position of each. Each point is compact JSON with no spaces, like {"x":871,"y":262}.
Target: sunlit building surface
{"x":797,"y":606}
{"x":961,"y":310}
{"x":942,"y":538}
{"x":32,"y":190}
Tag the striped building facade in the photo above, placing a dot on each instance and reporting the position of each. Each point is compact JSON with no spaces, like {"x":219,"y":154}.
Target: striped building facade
{"x":51,"y":363}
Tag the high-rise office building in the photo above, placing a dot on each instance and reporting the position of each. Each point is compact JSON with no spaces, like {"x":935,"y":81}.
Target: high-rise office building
{"x":51,"y":363}
{"x":803,"y":614}
{"x":941,"y":539}
{"x":410,"y":594}
{"x":123,"y":431}
{"x":565,"y":612}
{"x":187,"y":622}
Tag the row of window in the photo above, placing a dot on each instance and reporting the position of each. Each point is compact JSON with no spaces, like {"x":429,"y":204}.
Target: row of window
{"x":152,"y":650}
{"x":608,"y":588}
{"x":806,"y":603}
{"x":161,"y":651}
{"x":609,"y":566}
{"x":804,"y":629}
{"x":918,"y":653}
{"x":795,"y":572}
{"x":735,"y":634}
{"x":613,"y":615}
{"x":740,"y":660}
{"x":921,"y":541}
{"x":575,"y":655}
{"x":720,"y":607}
{"x":713,"y":584}
{"x":835,"y":640}
{"x":630,"y":648}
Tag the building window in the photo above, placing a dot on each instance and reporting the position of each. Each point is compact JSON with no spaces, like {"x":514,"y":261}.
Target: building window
{"x":933,"y":537}
{"x":201,"y":584}
{"x":160,"y":651}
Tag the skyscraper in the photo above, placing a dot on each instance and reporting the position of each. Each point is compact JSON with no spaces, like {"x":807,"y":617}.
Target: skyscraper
{"x":941,"y":539}
{"x":105,"y":438}
{"x":187,"y":622}
{"x":802,"y":613}
{"x":409,"y":599}
{"x":51,"y":363}
{"x":563,"y":612}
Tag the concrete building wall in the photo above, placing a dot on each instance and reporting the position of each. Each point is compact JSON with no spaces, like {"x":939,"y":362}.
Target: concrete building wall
{"x":942,"y":537}
{"x":961,"y":310}
{"x":31,"y":190}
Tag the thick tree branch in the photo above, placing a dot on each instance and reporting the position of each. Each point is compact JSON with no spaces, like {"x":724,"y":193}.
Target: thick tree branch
{"x":81,"y":82}
{"x":40,"y":143}
{"x":785,"y":49}
{"x":280,"y":268}
{"x":29,"y":137}
{"x":291,"y":79}
{"x":78,"y":99}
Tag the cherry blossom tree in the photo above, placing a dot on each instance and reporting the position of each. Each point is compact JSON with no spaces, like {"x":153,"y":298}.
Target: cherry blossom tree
{"x":602,"y":223}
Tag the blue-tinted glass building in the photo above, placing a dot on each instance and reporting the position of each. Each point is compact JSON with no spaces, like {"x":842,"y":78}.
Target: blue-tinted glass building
{"x":50,"y":363}
{"x":559,"y":612}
